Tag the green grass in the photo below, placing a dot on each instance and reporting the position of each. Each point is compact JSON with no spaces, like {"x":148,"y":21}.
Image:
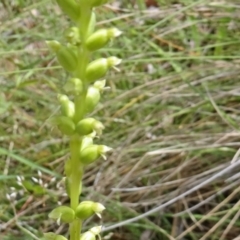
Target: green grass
{"x":172,"y":115}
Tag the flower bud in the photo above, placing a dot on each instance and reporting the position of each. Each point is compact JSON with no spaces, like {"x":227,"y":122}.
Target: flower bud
{"x":88,"y":208}
{"x":91,"y":153}
{"x":53,"y":236}
{"x":67,"y":58}
{"x":73,"y":86}
{"x":88,"y":236}
{"x":72,"y":36}
{"x":101,"y":37}
{"x":62,"y":214}
{"x":100,"y":85}
{"x":70,"y":8}
{"x":96,"y":230}
{"x":87,"y":140}
{"x":92,"y":98}
{"x":64,"y":124}
{"x":67,"y":106}
{"x":88,"y":125}
{"x":113,"y":61}
{"x":91,"y":234}
{"x":98,"y":208}
{"x":98,"y":68}
{"x":54,"y":45}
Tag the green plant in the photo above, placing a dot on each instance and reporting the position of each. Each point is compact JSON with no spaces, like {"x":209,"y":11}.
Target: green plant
{"x":81,"y":95}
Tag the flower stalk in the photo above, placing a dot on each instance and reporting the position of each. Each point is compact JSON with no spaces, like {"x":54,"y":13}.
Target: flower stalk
{"x":81,"y":95}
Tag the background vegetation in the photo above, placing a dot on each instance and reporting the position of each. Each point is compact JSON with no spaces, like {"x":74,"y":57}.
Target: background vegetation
{"x":172,"y":115}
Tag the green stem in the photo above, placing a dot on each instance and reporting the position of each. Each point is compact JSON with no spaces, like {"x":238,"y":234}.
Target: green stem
{"x":75,"y":142}
{"x":75,"y":183}
{"x":84,"y":57}
{"x":80,"y":99}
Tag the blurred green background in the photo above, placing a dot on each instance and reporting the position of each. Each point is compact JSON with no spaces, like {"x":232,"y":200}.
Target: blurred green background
{"x":172,"y":115}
